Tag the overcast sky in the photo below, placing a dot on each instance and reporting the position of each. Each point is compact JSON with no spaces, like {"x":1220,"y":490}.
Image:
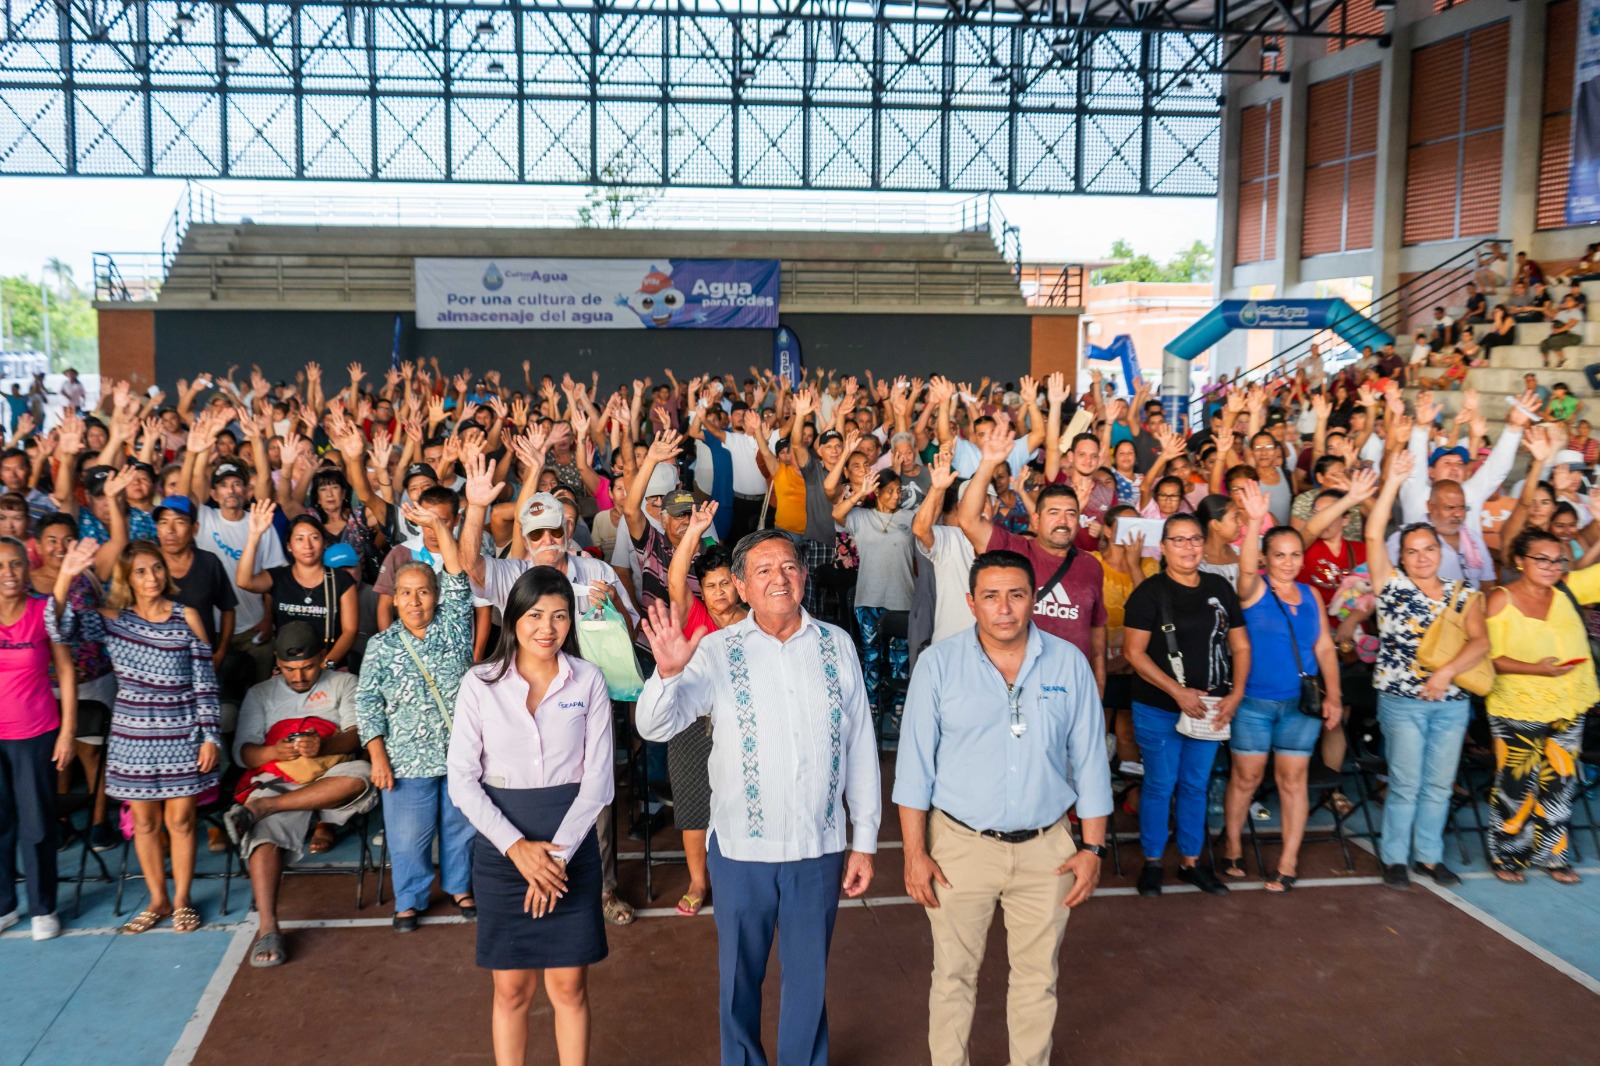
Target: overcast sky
{"x":71,"y":218}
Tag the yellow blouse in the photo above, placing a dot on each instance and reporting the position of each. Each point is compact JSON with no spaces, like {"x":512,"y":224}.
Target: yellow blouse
{"x":1118,"y":587}
{"x":1529,"y":697}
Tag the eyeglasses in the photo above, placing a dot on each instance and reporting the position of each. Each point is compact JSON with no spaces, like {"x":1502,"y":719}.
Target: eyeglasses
{"x":1019,"y":725}
{"x":1185,"y":542}
{"x":1547,"y":562}
{"x":1169,"y":495}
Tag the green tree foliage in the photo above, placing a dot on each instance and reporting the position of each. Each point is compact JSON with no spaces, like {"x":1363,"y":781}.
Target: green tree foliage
{"x":74,"y":326}
{"x":1192,"y":264}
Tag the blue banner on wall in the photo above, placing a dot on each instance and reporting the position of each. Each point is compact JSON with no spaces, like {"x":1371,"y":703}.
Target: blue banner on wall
{"x":786,"y":362}
{"x":1583,"y":178}
{"x":597,"y":293}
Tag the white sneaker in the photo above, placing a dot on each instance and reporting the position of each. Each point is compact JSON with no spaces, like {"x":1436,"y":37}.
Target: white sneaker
{"x":46,"y":927}
{"x":8,"y":920}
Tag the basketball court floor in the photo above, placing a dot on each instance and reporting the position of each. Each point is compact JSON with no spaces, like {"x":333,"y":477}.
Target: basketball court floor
{"x":1341,"y":970}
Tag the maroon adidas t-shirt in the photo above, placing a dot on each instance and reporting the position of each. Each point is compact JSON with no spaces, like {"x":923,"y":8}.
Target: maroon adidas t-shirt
{"x":1076,"y":604}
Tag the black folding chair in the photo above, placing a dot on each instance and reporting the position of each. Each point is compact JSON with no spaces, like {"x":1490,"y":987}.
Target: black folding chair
{"x":206,"y":816}
{"x":361,"y":826}
{"x":68,"y":804}
{"x":891,"y":690}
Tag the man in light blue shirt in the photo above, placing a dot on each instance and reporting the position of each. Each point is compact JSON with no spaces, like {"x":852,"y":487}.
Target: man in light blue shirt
{"x":1003,"y":732}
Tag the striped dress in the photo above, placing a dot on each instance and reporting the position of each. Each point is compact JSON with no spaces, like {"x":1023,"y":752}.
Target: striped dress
{"x":166,"y":702}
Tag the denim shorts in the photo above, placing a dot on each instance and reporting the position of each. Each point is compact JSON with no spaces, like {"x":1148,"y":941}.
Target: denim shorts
{"x":1263,"y":726}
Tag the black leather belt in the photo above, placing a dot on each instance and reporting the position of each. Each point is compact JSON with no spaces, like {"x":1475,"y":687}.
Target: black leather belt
{"x":1019,"y":836}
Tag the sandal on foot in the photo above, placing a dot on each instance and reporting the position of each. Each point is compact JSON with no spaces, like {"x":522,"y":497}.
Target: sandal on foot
{"x":270,"y":950}
{"x":185,"y":920}
{"x":1340,"y":803}
{"x":1281,"y":882}
{"x":1509,"y":874}
{"x":468,"y":910}
{"x":616,"y":910}
{"x":321,"y":839}
{"x":689,"y":906}
{"x":1564,"y":875}
{"x":143,"y":922}
{"x":1234,"y":867}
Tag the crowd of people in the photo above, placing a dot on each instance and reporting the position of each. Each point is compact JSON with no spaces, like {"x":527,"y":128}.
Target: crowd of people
{"x":461,"y":597}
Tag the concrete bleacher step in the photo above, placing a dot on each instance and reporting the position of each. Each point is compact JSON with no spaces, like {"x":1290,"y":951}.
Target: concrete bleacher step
{"x":1534,"y":332}
{"x":1507,"y":381}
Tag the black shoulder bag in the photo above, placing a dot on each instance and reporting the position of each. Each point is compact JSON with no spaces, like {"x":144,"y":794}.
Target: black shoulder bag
{"x":1061,"y":572}
{"x":1311,"y":685}
{"x":1170,"y":631}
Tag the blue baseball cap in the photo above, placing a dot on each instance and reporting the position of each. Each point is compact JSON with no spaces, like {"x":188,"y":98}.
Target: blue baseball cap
{"x":1458,"y":451}
{"x":177,"y":504}
{"x":340,"y":554}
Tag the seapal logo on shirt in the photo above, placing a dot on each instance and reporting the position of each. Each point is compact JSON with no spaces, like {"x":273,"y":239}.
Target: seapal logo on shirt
{"x":568,"y":705}
{"x":1057,"y":605}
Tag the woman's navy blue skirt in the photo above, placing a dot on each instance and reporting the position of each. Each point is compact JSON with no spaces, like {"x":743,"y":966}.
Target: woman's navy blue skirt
{"x":509,"y":938}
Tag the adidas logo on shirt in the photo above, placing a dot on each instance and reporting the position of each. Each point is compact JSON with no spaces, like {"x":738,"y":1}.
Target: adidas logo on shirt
{"x":1056,"y":605}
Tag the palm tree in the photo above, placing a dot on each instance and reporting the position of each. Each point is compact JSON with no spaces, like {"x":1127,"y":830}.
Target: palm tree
{"x":63,"y":272}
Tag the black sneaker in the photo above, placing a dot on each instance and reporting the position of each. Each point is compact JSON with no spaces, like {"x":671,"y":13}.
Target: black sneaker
{"x":1395,"y":876}
{"x":1442,"y":875}
{"x":1150,"y":879}
{"x":103,"y":838}
{"x":1202,"y":878}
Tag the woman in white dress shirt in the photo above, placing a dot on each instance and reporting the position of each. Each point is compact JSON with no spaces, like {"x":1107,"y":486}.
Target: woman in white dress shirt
{"x":530,"y":765}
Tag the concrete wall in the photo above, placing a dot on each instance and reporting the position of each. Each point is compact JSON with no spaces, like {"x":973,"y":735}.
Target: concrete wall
{"x":962,"y":346}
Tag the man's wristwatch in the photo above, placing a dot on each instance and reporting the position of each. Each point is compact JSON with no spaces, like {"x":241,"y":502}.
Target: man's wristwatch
{"x":1097,"y":850}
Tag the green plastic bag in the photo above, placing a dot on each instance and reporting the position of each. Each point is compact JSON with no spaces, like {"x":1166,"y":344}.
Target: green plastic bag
{"x":603,"y":639}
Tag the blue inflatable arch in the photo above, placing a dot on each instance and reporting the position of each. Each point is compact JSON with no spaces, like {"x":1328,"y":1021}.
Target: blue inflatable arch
{"x":1350,"y":325}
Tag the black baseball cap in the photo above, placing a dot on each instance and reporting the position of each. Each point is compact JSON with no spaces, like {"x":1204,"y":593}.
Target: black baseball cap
{"x":139,"y":464}
{"x":228,"y":468}
{"x":419,"y":470}
{"x":829,"y":436}
{"x":297,"y":642}
{"x":95,"y":478}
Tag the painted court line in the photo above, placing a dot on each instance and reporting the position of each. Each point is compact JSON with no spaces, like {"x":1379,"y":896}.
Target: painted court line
{"x":873,"y":901}
{"x":189,"y":1041}
{"x":671,"y":912}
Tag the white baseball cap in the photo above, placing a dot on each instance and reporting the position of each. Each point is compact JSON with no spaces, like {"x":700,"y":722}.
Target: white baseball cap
{"x":663,"y":479}
{"x":543,"y":511}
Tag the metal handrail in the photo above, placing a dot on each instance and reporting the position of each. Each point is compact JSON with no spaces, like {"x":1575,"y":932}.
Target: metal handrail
{"x":346,"y":277}
{"x":1054,"y":286}
{"x":1386,"y":310}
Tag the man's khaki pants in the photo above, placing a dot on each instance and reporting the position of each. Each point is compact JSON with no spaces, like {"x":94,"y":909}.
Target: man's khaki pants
{"x":1023,"y":878}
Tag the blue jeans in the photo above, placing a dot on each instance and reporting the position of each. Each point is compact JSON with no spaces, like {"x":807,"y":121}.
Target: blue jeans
{"x":869,"y":620}
{"x":1422,"y":743}
{"x":1172,"y":763}
{"x":1263,"y":726}
{"x":415,"y":810}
